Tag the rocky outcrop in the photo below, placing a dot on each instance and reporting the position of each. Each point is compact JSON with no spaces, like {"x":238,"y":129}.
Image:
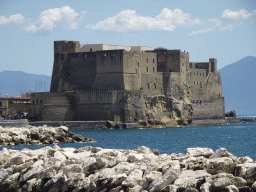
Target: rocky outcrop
{"x":96,"y":169}
{"x":39,"y":136}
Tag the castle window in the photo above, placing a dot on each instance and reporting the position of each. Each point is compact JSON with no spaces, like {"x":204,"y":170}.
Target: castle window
{"x":155,"y":85}
{"x":71,"y":46}
{"x":153,"y":69}
{"x":147,"y":69}
{"x":194,"y":82}
{"x":197,"y":82}
{"x":219,"y":94}
{"x":90,"y":49}
{"x":196,"y":101}
{"x":1,"y":104}
{"x":182,"y":64}
{"x":201,"y":84}
{"x":197,"y":74}
{"x":10,"y":102}
{"x":200,"y":102}
{"x":147,"y":60}
{"x":41,"y":101}
{"x":153,"y":60}
{"x":148,"y":85}
{"x":138,"y":64}
{"x":203,"y":74}
{"x":193,"y":101}
{"x":200,"y":74}
{"x":33,"y":102}
{"x":37,"y":101}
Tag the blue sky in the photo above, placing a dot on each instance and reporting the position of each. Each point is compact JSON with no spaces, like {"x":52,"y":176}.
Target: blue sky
{"x":225,"y":30}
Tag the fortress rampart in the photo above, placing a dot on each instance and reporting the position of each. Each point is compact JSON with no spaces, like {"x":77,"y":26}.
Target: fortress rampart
{"x":128,"y":85}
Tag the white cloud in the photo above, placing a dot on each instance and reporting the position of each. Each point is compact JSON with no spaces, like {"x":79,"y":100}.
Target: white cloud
{"x":52,"y":18}
{"x":211,"y":25}
{"x":242,"y":14}
{"x":128,"y":20}
{"x":202,"y":31}
{"x":16,"y":19}
{"x":227,"y":28}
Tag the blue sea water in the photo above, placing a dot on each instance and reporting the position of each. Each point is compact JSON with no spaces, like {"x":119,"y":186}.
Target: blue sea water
{"x":238,"y":139}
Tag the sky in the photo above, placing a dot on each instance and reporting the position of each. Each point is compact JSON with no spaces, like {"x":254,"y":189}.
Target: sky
{"x":225,"y":30}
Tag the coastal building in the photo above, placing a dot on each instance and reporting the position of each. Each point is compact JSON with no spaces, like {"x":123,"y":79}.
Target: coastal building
{"x":13,"y":105}
{"x":128,"y":84}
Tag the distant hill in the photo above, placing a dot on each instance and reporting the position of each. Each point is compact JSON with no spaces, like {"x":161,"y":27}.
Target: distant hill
{"x":239,"y":86}
{"x":14,"y":82}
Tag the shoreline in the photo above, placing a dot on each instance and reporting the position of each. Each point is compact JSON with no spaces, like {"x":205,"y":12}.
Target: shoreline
{"x":103,"y":124}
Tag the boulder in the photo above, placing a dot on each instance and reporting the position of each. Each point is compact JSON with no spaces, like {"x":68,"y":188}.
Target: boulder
{"x":232,"y":188}
{"x":152,"y":176}
{"x":220,"y":165}
{"x":221,"y":152}
{"x":5,"y":173}
{"x":10,"y":184}
{"x":70,"y":170}
{"x":196,"y":152}
{"x":134,"y":178}
{"x":168,"y":178}
{"x":205,"y":187}
{"x":4,"y":156}
{"x":190,"y":178}
{"x":247,"y":171}
{"x":170,"y":188}
{"x":144,"y":150}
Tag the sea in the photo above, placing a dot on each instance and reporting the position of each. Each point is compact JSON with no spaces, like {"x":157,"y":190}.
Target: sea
{"x":238,"y":139}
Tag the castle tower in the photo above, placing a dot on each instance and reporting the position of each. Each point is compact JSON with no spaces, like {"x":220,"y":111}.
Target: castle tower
{"x":213,"y":62}
{"x":61,"y":49}
{"x":66,"y":46}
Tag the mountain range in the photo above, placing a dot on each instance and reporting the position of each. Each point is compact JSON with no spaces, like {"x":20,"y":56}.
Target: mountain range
{"x":238,"y":83}
{"x":14,"y":83}
{"x":239,"y":86}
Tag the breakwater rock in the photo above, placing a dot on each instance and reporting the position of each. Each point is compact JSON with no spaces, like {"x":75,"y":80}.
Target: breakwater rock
{"x":96,"y":169}
{"x":39,"y":136}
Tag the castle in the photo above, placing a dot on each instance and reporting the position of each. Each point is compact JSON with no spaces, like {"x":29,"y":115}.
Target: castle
{"x":128,"y":84}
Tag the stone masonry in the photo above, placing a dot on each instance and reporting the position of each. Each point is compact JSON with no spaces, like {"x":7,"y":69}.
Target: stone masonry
{"x":152,"y":86}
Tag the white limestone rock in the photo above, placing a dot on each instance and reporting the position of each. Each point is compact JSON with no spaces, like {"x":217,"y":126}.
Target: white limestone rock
{"x":134,"y":178}
{"x":134,"y":157}
{"x":170,"y":188}
{"x":5,"y":173}
{"x":190,"y":178}
{"x":221,"y":152}
{"x":89,"y":164}
{"x":153,"y":175}
{"x":4,"y":156}
{"x":136,"y":188}
{"x":205,"y":187}
{"x":144,"y":150}
{"x":196,"y":152}
{"x":70,"y":170}
{"x":168,"y":178}
{"x":32,"y":171}
{"x":221,"y":182}
{"x":232,"y":188}
{"x":220,"y":165}
{"x":246,"y":171}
